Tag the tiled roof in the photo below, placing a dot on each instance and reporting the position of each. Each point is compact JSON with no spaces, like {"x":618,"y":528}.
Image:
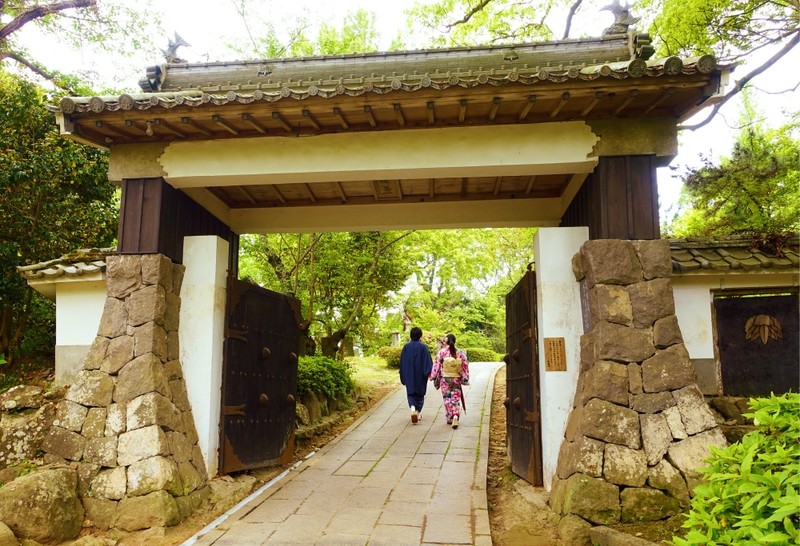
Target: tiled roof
{"x":75,"y":264}
{"x":731,"y":254}
{"x":329,"y":77}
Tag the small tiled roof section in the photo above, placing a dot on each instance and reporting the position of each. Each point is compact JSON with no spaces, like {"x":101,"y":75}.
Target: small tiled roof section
{"x":731,"y":254}
{"x":75,"y":264}
{"x":328,"y":77}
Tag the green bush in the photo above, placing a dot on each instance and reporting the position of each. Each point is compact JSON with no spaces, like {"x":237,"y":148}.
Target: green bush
{"x":322,"y":374}
{"x":752,"y":492}
{"x":476,"y":354}
{"x":391,"y":355}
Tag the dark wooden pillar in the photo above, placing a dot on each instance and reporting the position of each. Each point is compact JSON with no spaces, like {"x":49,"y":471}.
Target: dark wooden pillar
{"x":619,"y":200}
{"x":155,"y":217}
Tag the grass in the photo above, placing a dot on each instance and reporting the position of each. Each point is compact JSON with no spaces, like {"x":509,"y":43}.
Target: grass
{"x":371,"y":371}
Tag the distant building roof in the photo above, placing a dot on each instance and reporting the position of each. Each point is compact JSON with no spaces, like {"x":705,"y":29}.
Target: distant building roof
{"x":732,"y":254}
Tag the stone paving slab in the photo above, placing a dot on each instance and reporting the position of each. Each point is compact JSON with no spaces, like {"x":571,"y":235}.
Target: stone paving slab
{"x":383,"y":481}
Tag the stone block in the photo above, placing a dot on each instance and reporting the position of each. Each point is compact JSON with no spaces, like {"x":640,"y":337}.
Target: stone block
{"x":22,"y":434}
{"x":153,"y":474}
{"x":557,"y":491}
{"x":610,"y":303}
{"x":115,"y":420}
{"x":95,"y":424}
{"x":148,"y":304}
{"x":178,"y":272}
{"x":608,"y":536}
{"x":43,"y":506}
{"x":20,"y":397}
{"x":588,"y":353}
{"x":667,"y":370}
{"x":610,"y":261}
{"x":302,"y":416}
{"x":70,"y":415}
{"x":173,"y":370}
{"x":656,"y":436}
{"x":727,"y":408}
{"x":64,"y":443}
{"x":114,"y":320}
{"x":86,"y":473}
{"x":153,"y":409}
{"x":622,"y":344}
{"x":190,"y":478}
{"x":198,"y":462}
{"x":97,"y":352}
{"x":141,"y":444}
{"x":120,"y":352}
{"x":110,"y":484}
{"x":157,"y":270}
{"x":312,"y":403}
{"x":608,"y":381}
{"x":695,"y":413}
{"x":655,"y":257}
{"x":635,"y":378}
{"x":101,"y":513}
{"x":592,"y":499}
{"x":651,"y":402}
{"x":666,"y":477}
{"x":673,"y":417}
{"x":611,"y":423}
{"x":690,"y":454}
{"x":124,"y":274}
{"x":172,"y":312}
{"x":150,"y":337}
{"x":179,"y":446}
{"x":142,"y":375}
{"x":624,"y":466}
{"x":573,"y":424}
{"x":158,"y":509}
{"x":188,"y":427}
{"x":173,"y":345}
{"x":584,"y":456}
{"x":707,"y":378}
{"x":179,"y":395}
{"x":577,"y":267}
{"x":645,"y":504}
{"x":651,"y":300}
{"x":574,"y":531}
{"x":666,"y":332}
{"x":101,"y":451}
{"x":92,"y":389}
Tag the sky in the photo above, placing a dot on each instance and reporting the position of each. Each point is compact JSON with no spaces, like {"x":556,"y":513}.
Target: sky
{"x":209,"y":25}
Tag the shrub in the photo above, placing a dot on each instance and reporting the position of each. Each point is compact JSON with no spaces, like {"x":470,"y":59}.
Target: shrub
{"x":476,"y":354}
{"x":322,"y":374}
{"x":391,"y":355}
{"x":752,"y":493}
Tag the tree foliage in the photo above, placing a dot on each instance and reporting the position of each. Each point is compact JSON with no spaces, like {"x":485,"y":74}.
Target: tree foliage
{"x":54,"y":194}
{"x":754,"y":191}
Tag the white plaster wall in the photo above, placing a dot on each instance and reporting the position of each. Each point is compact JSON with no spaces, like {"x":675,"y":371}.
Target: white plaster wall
{"x":693,"y":301}
{"x":202,"y":322}
{"x":79,"y":307}
{"x":559,"y":315}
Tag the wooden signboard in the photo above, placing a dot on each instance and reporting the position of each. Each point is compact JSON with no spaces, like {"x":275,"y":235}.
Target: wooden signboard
{"x":555,"y":354}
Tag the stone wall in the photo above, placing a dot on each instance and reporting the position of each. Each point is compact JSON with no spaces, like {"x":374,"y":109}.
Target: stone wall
{"x":126,"y":421}
{"x":639,"y":427}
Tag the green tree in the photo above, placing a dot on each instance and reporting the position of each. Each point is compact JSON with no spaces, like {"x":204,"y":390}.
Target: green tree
{"x":54,"y":196}
{"x":754,"y":191}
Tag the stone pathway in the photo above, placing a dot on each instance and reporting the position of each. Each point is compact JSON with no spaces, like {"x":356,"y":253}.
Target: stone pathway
{"x":384,"y":481}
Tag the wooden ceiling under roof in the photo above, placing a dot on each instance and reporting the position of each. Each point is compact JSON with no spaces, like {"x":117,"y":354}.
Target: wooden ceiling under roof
{"x":592,"y":79}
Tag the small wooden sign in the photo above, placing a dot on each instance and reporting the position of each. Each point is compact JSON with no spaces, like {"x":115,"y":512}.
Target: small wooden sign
{"x":555,"y":354}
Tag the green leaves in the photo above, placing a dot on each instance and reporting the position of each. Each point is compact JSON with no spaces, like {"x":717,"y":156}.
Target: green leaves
{"x":751,"y":493}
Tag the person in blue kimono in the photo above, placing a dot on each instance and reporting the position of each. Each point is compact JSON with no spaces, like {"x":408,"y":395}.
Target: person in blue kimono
{"x":415,"y":371}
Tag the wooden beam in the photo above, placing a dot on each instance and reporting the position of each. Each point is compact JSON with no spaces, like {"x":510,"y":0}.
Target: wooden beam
{"x":311,"y":119}
{"x":341,"y":192}
{"x":113,"y":130}
{"x":531,"y":180}
{"x":342,"y":120}
{"x":247,"y":194}
{"x":170,"y":127}
{"x":277,"y":116}
{"x":495,"y":105}
{"x":370,"y":117}
{"x":498,"y":181}
{"x":527,"y":108}
{"x":260,"y":127}
{"x":462,"y":110}
{"x":463,"y":187}
{"x":597,"y":96}
{"x":189,"y":121}
{"x":431,"y":113}
{"x":561,"y":103}
{"x":431,"y":188}
{"x":398,"y":112}
{"x":669,"y":91}
{"x":631,"y":95}
{"x":277,"y":193}
{"x":224,"y":124}
{"x":310,"y":193}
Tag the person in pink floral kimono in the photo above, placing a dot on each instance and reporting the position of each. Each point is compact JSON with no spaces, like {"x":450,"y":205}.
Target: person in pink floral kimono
{"x":450,"y":371}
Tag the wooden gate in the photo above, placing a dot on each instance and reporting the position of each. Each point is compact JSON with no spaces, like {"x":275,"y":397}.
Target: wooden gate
{"x":757,"y":342}
{"x":523,"y":413}
{"x":259,"y":381}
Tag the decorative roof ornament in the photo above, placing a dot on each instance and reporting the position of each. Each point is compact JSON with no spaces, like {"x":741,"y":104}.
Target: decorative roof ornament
{"x":171,"y":53}
{"x":642,"y":48}
{"x":622,"y":19}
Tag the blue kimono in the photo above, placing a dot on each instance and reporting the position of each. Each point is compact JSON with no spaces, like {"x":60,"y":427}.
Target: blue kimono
{"x":415,"y":367}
